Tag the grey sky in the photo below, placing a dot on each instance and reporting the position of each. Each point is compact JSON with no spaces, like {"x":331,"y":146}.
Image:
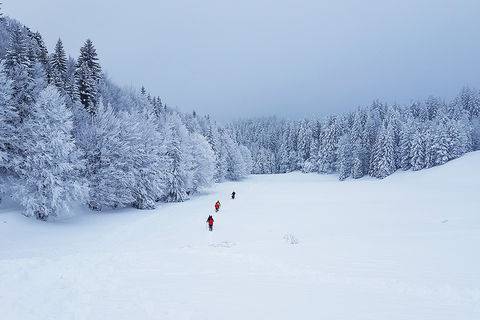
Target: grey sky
{"x":262,"y":57}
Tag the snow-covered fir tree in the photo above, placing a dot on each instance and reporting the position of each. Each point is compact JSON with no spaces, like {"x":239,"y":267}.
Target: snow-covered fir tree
{"x":42,"y":54}
{"x":109,"y":154}
{"x":469,"y":100}
{"x":383,"y":156}
{"x":179,"y":160}
{"x":10,"y":150}
{"x":328,"y":147}
{"x":359,"y":148}
{"x":441,"y":144}
{"x":405,"y":145}
{"x":49,"y":171}
{"x":58,"y":66}
{"x":203,"y":164}
{"x":71,"y":89}
{"x":88,"y":74}
{"x":417,"y":150}
{"x":19,"y":69}
{"x":235,"y":164}
{"x":344,"y":157}
{"x":214,"y":139}
{"x":149,"y":158}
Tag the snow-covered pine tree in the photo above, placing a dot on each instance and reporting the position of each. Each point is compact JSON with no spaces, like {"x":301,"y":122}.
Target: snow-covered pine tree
{"x":247,"y":160}
{"x":383,"y":156}
{"x":190,"y":120}
{"x":457,"y":137}
{"x":344,"y":157}
{"x":88,"y":75}
{"x":51,"y":161}
{"x":294,"y":159}
{"x":285,"y":151}
{"x":203,"y":164}
{"x":429,"y":140}
{"x":440,"y":143}
{"x":179,"y":179}
{"x":148,"y":159}
{"x":432,"y":105}
{"x":464,"y":124}
{"x":311,"y":164}
{"x":42,"y":54}
{"x":235,"y":164}
{"x":39,"y":79}
{"x":419,"y":111}
{"x":19,"y":70}
{"x":406,"y":145}
{"x":417,"y":150}
{"x":265,"y":162}
{"x":71,"y":89}
{"x":213,"y":137}
{"x":107,"y":142}
{"x":304,"y":141}
{"x":158,"y":106}
{"x":358,"y":159}
{"x":328,"y":147}
{"x":469,"y":100}
{"x":370,"y":137}
{"x":58,"y":67}
{"x":475,"y":133}
{"x":359,"y":150}
{"x":9,"y":120}
{"x":395,"y":121}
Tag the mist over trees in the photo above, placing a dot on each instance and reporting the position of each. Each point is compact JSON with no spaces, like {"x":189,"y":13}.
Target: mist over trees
{"x":376,"y":140}
{"x":68,"y":133}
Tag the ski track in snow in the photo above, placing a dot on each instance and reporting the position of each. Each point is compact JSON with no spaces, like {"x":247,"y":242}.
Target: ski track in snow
{"x":290,"y":246}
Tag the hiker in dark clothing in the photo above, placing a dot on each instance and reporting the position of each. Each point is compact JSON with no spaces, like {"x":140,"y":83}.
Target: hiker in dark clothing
{"x":210,"y":223}
{"x":233,"y":195}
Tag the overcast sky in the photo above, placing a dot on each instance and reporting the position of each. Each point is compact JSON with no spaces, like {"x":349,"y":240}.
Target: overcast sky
{"x":262,"y":57}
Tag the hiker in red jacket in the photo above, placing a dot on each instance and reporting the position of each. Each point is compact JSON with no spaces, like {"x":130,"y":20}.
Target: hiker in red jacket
{"x":210,"y":223}
{"x":217,"y":205}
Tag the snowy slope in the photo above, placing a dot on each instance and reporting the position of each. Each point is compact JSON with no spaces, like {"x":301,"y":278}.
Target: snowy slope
{"x":405,"y":247}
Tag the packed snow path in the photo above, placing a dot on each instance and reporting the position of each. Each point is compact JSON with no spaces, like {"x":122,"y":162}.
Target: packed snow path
{"x":289,"y":246}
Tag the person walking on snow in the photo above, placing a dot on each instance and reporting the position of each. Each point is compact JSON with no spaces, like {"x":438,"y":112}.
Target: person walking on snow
{"x":217,"y":205}
{"x":210,"y":223}
{"x":233,"y":195}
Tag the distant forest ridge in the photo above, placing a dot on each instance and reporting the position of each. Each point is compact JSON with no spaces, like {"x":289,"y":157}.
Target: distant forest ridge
{"x":375,"y":140}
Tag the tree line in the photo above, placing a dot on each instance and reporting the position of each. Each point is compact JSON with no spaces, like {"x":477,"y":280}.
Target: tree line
{"x":68,"y":133}
{"x":375,"y":140}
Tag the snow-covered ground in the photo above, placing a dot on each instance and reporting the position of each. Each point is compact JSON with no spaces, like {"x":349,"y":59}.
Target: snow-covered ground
{"x":290,"y":246}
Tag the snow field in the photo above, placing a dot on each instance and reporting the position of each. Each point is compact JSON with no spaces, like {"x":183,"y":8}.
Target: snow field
{"x":291,"y":246}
